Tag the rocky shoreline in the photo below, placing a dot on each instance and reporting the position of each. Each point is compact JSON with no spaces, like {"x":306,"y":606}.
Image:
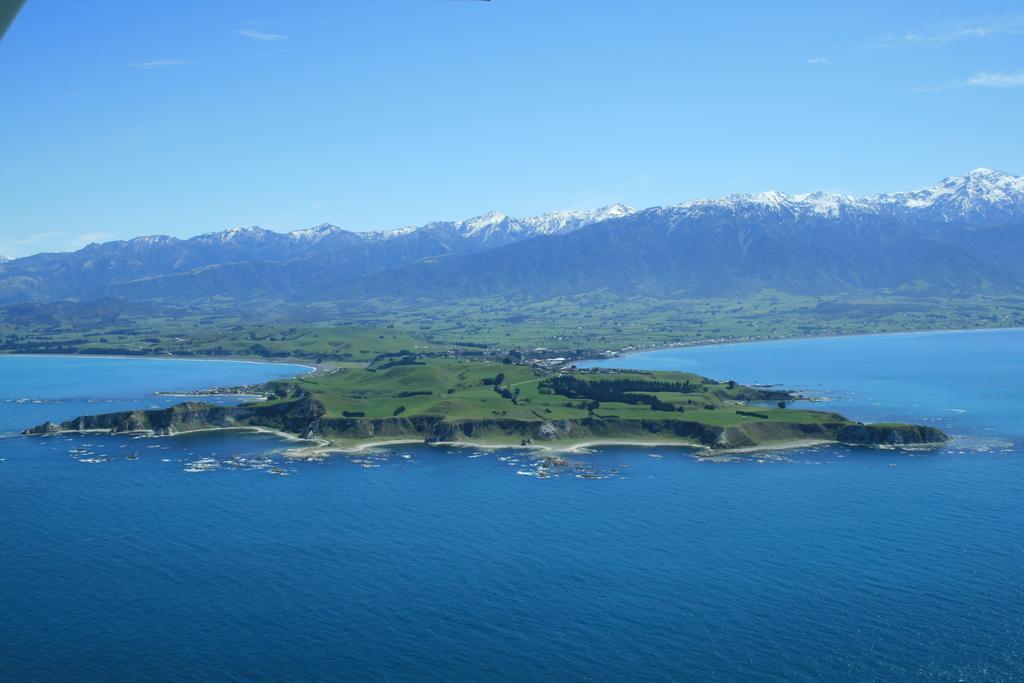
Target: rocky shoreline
{"x":304,"y":419}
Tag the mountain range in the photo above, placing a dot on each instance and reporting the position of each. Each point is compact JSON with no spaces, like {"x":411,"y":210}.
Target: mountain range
{"x":962,"y":235}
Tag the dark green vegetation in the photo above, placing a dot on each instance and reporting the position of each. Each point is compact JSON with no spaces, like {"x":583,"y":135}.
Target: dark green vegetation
{"x":453,"y":400}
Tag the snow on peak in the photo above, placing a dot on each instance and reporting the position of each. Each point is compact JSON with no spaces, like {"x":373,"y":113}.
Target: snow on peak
{"x":488,"y":220}
{"x":315,"y":233}
{"x":390,"y":234}
{"x":235,"y":234}
{"x":497,"y":227}
{"x":827,"y":203}
{"x":149,"y":240}
{"x":558,"y":222}
{"x":772,"y":198}
{"x":981,"y":193}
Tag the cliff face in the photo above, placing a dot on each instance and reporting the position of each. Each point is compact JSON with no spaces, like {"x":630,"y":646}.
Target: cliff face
{"x":890,"y":435}
{"x":434,"y":429}
{"x":304,"y":417}
{"x":294,"y":416}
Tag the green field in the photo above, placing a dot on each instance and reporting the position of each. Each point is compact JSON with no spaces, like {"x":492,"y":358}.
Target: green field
{"x":567,"y":327}
{"x":465,"y":390}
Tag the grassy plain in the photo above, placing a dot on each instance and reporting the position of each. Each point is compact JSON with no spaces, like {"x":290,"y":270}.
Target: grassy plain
{"x":572,"y":327}
{"x":460,"y":389}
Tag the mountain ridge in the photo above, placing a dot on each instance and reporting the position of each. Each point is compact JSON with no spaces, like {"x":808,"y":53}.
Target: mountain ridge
{"x":960,"y":234}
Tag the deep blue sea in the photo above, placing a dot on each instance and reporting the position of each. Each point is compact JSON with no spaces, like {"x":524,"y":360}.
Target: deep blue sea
{"x":420,"y":563}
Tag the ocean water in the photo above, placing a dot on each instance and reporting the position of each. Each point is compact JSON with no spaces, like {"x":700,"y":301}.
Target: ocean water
{"x":419,"y":563}
{"x":34,"y":389}
{"x":970,"y":383}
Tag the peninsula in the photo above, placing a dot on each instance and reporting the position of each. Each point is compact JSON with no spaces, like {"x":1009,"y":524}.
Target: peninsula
{"x":402,"y":396}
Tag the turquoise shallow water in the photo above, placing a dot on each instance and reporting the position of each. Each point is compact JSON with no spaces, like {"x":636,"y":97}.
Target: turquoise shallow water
{"x":825,"y":563}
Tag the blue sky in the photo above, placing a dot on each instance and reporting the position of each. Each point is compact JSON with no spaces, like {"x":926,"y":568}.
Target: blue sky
{"x":128,"y":118}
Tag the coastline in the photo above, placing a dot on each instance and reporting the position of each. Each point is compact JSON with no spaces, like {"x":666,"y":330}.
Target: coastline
{"x":320,"y":447}
{"x":149,"y":434}
{"x":574,"y":447}
{"x":617,"y":353}
{"x":733,"y":342}
{"x":327,"y":448}
{"x":302,"y":363}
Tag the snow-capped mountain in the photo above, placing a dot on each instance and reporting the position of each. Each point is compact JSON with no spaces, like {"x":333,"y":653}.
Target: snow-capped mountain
{"x":962,"y":236}
{"x":253,"y":234}
{"x":315,"y":234}
{"x":983,"y":195}
{"x":969,"y":226}
{"x":496,"y":228}
{"x":326,"y":246}
{"x":559,"y":222}
{"x":499,"y":227}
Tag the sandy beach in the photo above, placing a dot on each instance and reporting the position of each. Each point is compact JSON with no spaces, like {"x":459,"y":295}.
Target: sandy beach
{"x":326,"y":448}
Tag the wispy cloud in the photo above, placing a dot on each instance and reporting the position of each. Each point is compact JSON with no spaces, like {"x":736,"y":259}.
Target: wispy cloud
{"x":29,"y":245}
{"x":987,"y":79}
{"x":951,"y":33}
{"x":52,"y":241}
{"x":966,"y":33}
{"x":817,"y":60}
{"x":88,"y":238}
{"x":159,"y":63}
{"x":256,"y":34}
{"x":36,"y":238}
{"x":983,"y":79}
